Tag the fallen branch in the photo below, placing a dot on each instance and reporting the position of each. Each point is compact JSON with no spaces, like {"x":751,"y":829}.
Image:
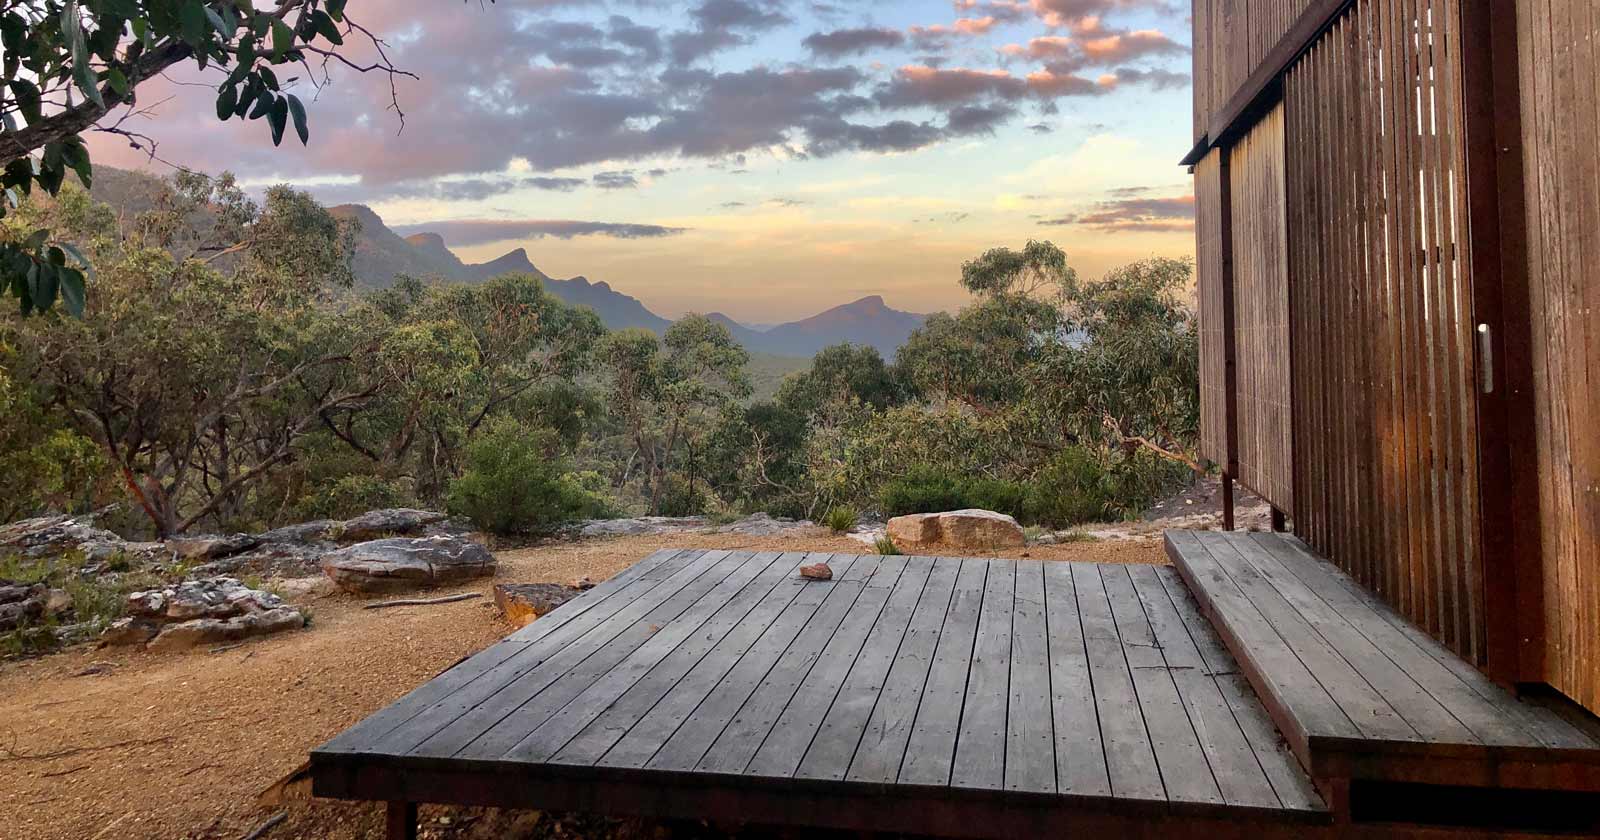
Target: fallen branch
{"x":11,"y":753}
{"x":424,"y":602}
{"x":63,"y":772}
{"x":267,"y":826}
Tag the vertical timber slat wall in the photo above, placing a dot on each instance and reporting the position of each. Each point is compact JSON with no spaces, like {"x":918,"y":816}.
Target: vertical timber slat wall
{"x":1231,"y":38}
{"x":1558,"y":76}
{"x":1383,"y":371}
{"x":1261,"y":311}
{"x":1201,"y":52}
{"x":1209,"y":231}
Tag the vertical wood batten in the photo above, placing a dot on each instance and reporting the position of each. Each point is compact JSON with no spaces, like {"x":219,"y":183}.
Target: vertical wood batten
{"x":1560,"y":167}
{"x":1382,"y":371}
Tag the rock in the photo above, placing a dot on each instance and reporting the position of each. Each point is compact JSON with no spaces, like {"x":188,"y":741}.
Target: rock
{"x":971,"y":528}
{"x":210,"y":546}
{"x":316,"y":530}
{"x":583,"y":584}
{"x":53,"y":536}
{"x":302,"y":587}
{"x":379,"y":523}
{"x":207,"y":598}
{"x":817,"y":571}
{"x":21,"y":604}
{"x":129,"y":631}
{"x":397,"y":564}
{"x":640,"y":525}
{"x":200,"y":631}
{"x":762,"y":525}
{"x":521,"y":603}
{"x":198,"y":612}
{"x":57,"y":602}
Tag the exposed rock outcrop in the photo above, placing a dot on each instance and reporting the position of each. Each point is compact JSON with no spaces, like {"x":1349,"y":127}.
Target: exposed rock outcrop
{"x":970,"y":529}
{"x":197,"y":612}
{"x":387,"y":522}
{"x":397,"y":564}
{"x":521,"y":603}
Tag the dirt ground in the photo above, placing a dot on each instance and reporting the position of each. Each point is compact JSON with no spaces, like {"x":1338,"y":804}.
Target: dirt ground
{"x":128,"y":744}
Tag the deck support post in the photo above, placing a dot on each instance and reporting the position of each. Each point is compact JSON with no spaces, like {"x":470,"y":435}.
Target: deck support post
{"x":401,"y":821}
{"x":1227,"y":501}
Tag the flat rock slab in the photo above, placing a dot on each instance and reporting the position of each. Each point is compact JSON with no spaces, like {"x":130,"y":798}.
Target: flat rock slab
{"x":398,"y":564}
{"x":381,"y":523}
{"x":521,"y":603}
{"x":970,"y":528}
{"x":205,"y":631}
{"x":211,"y":546}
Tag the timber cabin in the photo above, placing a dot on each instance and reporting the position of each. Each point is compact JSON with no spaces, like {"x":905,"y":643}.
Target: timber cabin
{"x":1398,"y":248}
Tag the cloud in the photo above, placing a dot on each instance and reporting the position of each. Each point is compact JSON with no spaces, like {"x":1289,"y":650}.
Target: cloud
{"x":619,"y":180}
{"x":919,"y":85}
{"x":466,"y":232}
{"x":939,"y":34}
{"x":720,"y":24}
{"x":977,"y":119}
{"x":1133,"y":214}
{"x":842,"y":42}
{"x":1156,"y":79}
{"x":497,"y":85}
{"x":1094,"y":46}
{"x":1068,"y":13}
{"x":1040,"y":128}
{"x":1005,"y":11}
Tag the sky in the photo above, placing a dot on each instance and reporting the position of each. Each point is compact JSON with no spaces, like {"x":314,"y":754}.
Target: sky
{"x":762,"y":158}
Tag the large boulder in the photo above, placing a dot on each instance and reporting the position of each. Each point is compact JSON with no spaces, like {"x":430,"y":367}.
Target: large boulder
{"x":386,"y":522}
{"x":971,"y":528}
{"x":398,"y":563}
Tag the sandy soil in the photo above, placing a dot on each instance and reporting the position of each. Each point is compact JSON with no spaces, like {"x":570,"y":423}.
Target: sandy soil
{"x":125,"y":744}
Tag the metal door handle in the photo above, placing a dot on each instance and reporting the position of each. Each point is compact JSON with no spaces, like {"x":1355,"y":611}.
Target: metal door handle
{"x":1485,"y":359}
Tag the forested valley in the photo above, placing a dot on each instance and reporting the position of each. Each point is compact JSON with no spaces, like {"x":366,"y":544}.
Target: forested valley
{"x":227,"y":376}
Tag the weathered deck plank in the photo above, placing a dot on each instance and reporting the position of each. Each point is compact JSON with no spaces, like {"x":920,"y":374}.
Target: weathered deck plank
{"x":1415,"y":713}
{"x":1019,"y":687}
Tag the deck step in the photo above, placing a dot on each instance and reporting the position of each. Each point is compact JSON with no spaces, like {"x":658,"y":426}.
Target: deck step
{"x":1363,"y":696}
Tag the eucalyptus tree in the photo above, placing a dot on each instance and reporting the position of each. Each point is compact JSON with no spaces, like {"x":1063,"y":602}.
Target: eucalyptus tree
{"x":71,"y":66}
{"x":668,"y":392}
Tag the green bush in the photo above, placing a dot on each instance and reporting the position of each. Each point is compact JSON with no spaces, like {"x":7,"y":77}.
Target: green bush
{"x":1072,"y":488}
{"x":351,"y":495}
{"x":841,"y":519}
{"x":679,"y":498}
{"x":928,"y":489}
{"x":923,"y":489}
{"x":886,"y":546}
{"x":515,"y":482}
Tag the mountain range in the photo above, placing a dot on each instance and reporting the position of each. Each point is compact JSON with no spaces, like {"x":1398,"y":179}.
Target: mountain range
{"x":381,"y":253}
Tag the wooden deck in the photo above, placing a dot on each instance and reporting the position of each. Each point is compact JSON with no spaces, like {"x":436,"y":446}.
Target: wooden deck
{"x":1372,"y":705}
{"x":960,"y":697}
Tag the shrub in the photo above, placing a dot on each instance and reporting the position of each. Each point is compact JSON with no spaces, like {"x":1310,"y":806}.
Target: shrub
{"x":928,"y":489}
{"x":351,"y":495}
{"x":516,"y":483}
{"x":679,"y":498}
{"x":1072,"y":488}
{"x":841,"y":518}
{"x":886,"y":546}
{"x":923,"y":489}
